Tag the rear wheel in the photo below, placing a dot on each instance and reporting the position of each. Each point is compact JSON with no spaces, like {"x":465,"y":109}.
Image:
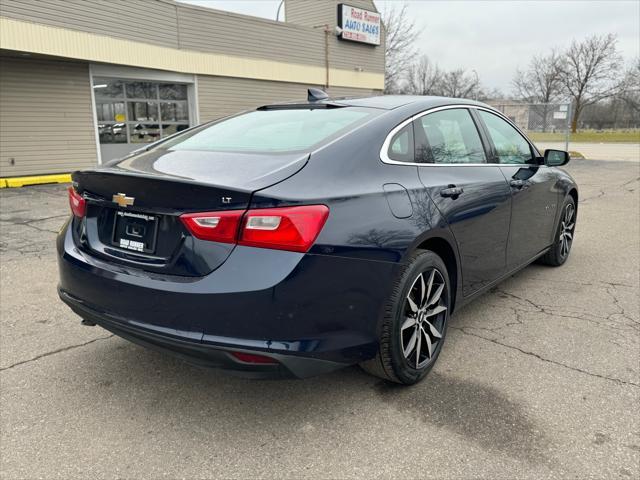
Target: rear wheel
{"x":559,"y":251}
{"x":415,"y":321}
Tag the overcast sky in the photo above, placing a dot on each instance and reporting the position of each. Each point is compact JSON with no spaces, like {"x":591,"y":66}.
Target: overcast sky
{"x":494,"y":37}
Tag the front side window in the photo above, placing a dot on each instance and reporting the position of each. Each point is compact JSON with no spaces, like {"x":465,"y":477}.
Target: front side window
{"x":272,"y":130}
{"x":511,"y":147}
{"x":448,"y":136}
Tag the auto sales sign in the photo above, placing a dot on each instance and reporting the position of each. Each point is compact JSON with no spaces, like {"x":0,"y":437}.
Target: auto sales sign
{"x":359,"y":25}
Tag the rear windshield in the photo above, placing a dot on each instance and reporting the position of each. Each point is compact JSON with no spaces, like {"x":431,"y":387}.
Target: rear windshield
{"x":272,"y":130}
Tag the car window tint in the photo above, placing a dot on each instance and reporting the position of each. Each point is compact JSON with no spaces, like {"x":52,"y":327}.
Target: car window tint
{"x":449,"y":136}
{"x":510,"y":146}
{"x":272,"y":130}
{"x":401,"y":146}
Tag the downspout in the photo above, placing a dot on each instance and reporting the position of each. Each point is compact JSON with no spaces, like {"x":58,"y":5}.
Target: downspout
{"x":327,"y":30}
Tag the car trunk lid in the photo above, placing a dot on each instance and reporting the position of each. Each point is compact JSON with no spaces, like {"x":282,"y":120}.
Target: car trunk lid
{"x":134,"y":205}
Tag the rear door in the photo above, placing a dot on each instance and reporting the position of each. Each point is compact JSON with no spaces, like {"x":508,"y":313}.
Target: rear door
{"x":471,"y":194}
{"x":533,"y":191}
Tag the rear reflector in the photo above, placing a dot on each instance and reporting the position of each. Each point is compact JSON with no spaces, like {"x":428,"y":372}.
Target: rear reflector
{"x":284,"y":228}
{"x":214,"y":226}
{"x":253,"y":358}
{"x":77,"y":203}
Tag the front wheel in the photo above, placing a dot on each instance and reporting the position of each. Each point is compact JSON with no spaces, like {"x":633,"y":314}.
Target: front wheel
{"x":415,"y":321}
{"x":563,"y":240}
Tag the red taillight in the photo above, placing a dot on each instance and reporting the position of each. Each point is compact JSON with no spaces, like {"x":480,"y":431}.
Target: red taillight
{"x":77,"y":203}
{"x":214,"y":226}
{"x":283,"y":228}
{"x":253,"y":358}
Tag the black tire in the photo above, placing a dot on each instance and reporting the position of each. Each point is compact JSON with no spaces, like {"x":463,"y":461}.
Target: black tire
{"x":560,"y":250}
{"x":391,"y":362}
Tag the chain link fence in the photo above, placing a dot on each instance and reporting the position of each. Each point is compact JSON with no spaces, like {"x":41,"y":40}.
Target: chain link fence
{"x":542,"y":122}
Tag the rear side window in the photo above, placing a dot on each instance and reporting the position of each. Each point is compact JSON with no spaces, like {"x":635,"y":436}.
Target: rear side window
{"x":448,"y":136}
{"x":401,"y":145}
{"x":272,"y":130}
{"x":511,"y":147}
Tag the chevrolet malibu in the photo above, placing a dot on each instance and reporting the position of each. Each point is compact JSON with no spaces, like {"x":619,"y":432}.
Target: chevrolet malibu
{"x":300,"y":238}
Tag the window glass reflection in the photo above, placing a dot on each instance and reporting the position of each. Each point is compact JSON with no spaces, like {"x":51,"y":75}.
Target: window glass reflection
{"x":168,"y":129}
{"x":401,"y":146}
{"x":174,"y":111}
{"x":144,"y":133}
{"x":173,"y":91}
{"x":449,"y":136}
{"x":112,"y":133}
{"x":142,"y":90}
{"x":110,"y":112}
{"x":511,"y":147}
{"x":141,"y":111}
{"x":108,"y":88}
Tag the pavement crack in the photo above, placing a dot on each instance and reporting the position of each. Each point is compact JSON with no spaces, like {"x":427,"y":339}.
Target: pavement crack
{"x":555,"y":311}
{"x":600,"y":194}
{"x":624,"y":185}
{"x":54,"y":352}
{"x":546,"y":360}
{"x":617,"y":284}
{"x":22,"y":221}
{"x":63,"y":215}
{"x":28,"y":224}
{"x":616,"y":302}
{"x":518,"y":299}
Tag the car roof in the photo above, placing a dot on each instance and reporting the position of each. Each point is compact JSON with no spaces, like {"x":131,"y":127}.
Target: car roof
{"x":383,"y":102}
{"x":389,"y":102}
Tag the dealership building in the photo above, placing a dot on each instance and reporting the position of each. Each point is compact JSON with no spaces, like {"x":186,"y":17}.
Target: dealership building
{"x":83,"y":82}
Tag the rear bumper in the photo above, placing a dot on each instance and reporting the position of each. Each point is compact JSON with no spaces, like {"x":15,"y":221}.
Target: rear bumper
{"x":288,"y":366}
{"x":311,"y":313}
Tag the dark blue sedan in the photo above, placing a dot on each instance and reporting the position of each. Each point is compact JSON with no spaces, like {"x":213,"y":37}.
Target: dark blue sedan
{"x":300,"y":238}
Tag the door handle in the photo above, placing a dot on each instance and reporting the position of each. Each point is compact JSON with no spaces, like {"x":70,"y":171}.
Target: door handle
{"x":517,"y":184}
{"x":451,"y":191}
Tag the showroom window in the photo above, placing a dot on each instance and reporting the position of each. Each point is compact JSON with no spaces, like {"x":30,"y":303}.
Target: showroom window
{"x":131,"y":112}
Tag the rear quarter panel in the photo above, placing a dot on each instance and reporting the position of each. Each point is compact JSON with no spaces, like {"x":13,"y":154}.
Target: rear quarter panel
{"x":348,"y":176}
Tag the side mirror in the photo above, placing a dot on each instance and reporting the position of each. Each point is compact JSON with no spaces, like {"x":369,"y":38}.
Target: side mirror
{"x":556,"y":158}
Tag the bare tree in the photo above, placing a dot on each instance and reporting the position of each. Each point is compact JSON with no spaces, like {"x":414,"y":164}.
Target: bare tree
{"x":427,"y":78}
{"x":611,"y":113}
{"x":494,"y":93}
{"x":542,"y":81}
{"x":590,"y":72}
{"x":630,"y":93}
{"x":423,"y":78}
{"x":459,"y":84}
{"x":400,"y":37}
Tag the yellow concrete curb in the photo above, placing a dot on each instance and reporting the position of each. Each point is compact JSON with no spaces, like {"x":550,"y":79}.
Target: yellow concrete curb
{"x":35,"y":180}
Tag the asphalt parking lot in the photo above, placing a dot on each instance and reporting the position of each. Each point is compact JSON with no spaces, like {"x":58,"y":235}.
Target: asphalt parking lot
{"x":540,"y":378}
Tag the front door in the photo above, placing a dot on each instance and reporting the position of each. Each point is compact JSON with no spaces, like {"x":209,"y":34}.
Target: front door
{"x":472,"y":195}
{"x":534,"y":196}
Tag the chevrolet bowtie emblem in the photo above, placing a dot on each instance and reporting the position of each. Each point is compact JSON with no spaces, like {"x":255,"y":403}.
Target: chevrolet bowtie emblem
{"x":122,"y":200}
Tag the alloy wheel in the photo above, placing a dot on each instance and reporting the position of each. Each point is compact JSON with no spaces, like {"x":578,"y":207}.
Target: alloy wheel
{"x":425,"y":311}
{"x":566,"y":230}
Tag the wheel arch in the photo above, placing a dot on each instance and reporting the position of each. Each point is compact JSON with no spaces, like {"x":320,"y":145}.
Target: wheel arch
{"x":574,"y":194}
{"x":443,"y":248}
